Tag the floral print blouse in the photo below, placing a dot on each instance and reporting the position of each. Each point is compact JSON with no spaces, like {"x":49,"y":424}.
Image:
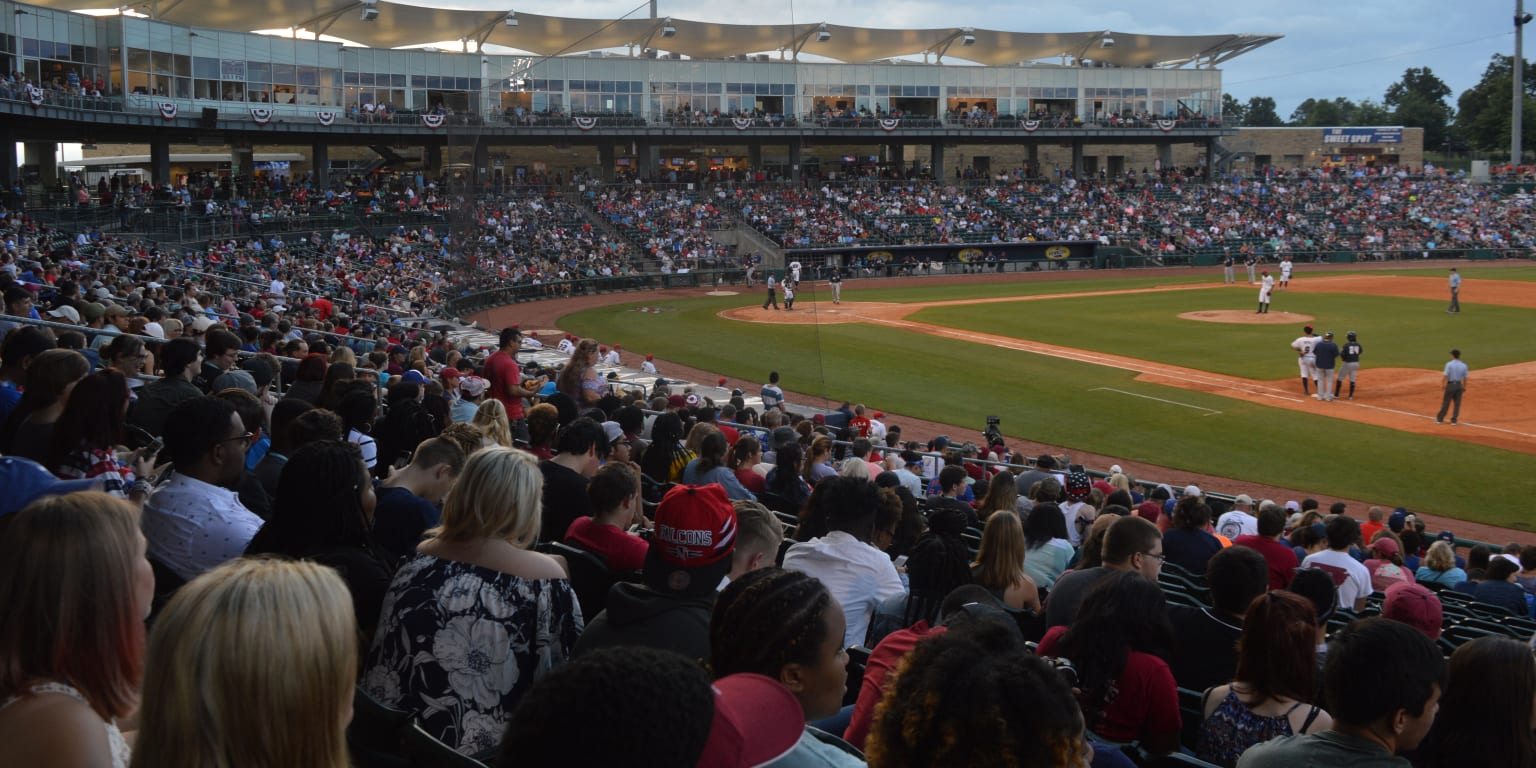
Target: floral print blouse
{"x":458,"y":645}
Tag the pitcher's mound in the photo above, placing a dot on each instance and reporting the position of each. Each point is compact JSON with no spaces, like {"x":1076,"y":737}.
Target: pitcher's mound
{"x":812,"y":312}
{"x":1246,"y":318}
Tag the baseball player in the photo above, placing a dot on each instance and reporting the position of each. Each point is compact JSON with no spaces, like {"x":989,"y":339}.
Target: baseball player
{"x":789,"y":294}
{"x":1265,"y":289}
{"x":1285,"y":271}
{"x":1227,"y":261}
{"x":611,"y":357}
{"x":649,"y":366}
{"x":836,"y":281}
{"x":1251,"y":263}
{"x":794,"y":272}
{"x":1305,"y":359}
{"x":1349,"y":356}
{"x":1326,"y":361}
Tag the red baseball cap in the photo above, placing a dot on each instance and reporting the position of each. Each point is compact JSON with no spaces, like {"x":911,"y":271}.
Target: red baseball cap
{"x":650,"y":357}
{"x":450,"y":373}
{"x":695,"y":526}
{"x":757,"y":721}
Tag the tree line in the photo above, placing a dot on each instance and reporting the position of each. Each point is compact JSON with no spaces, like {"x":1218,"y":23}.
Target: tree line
{"x":1480,"y":119}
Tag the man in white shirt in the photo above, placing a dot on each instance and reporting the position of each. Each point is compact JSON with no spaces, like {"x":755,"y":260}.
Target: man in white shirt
{"x":858,"y":575}
{"x":1349,"y":575}
{"x":612,"y":358}
{"x":567,"y":345}
{"x":193,"y":522}
{"x":1240,"y":520}
{"x":649,"y":366}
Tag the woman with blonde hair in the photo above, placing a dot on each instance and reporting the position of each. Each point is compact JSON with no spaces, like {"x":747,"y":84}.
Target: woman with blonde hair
{"x":252,"y":664}
{"x":855,"y":468}
{"x":999,"y":562}
{"x":1439,"y":567}
{"x":578,"y":380}
{"x":343,"y":354}
{"x":491,"y":418}
{"x":76,"y":587}
{"x":476,"y":617}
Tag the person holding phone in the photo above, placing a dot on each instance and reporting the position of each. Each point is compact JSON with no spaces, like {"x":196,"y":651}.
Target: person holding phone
{"x":87,"y":437}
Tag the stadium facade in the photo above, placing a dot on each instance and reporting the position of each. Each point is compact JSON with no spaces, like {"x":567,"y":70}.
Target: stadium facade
{"x":189,"y":73}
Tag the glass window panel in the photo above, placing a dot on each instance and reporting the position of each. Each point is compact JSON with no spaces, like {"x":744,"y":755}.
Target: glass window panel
{"x":397,"y":81}
{"x":258,"y":72}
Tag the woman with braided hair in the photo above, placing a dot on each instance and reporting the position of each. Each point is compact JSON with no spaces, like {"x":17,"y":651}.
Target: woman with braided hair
{"x":1116,"y":644}
{"x":973,"y":697}
{"x":785,"y":625}
{"x":939,"y":562}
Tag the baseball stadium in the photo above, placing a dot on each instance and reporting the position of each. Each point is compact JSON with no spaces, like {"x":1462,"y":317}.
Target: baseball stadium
{"x":795,"y":349}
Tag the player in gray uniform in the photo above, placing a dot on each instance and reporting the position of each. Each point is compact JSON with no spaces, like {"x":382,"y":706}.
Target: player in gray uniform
{"x":1251,"y":263}
{"x":836,"y":281}
{"x":1226,"y":267}
{"x":1349,"y":356}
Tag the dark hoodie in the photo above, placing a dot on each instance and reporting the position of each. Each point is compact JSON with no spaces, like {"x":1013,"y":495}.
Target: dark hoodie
{"x":639,"y":615}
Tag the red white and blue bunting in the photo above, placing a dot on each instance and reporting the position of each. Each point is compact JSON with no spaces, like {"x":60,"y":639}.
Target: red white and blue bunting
{"x":741,"y":123}
{"x":1166,"y":125}
{"x":1030,"y":126}
{"x":35,"y":96}
{"x":889,"y":124}
{"x":168,"y":110}
{"x":585,"y":123}
{"x":262,"y":115}
{"x":326,"y":118}
{"x":432,"y":121}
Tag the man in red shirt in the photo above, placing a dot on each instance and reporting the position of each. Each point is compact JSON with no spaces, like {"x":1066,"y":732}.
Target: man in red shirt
{"x":1280,"y":558}
{"x":505,"y":375}
{"x":1373,"y":523}
{"x":859,"y":423}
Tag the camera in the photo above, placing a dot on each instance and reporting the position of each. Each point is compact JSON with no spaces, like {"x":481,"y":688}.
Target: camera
{"x":993,"y":434}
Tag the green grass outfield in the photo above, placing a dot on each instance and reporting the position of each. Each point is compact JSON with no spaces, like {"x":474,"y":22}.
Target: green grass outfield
{"x":1074,"y":404}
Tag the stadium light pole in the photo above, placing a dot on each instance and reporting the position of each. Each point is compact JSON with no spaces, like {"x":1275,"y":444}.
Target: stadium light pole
{"x":1518,"y":84}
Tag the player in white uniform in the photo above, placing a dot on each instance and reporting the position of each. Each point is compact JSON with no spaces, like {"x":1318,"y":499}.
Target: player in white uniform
{"x":1285,"y":271}
{"x":649,"y":366}
{"x":1266,"y":288}
{"x":567,"y":345}
{"x":794,"y":272}
{"x":1305,"y":360}
{"x":612,"y":358}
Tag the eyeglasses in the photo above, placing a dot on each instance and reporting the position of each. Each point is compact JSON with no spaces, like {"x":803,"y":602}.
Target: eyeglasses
{"x":244,"y":437}
{"x":1161,"y":558}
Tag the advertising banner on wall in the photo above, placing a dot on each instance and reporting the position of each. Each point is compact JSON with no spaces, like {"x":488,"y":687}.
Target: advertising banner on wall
{"x":1362,"y":135}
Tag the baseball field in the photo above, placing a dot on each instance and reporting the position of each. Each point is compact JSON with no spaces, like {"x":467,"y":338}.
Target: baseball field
{"x":1169,"y":368}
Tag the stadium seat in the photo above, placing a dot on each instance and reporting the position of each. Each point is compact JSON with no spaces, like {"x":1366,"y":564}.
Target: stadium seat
{"x":590,"y":576}
{"x":1192,"y":713}
{"x":1489,"y":610}
{"x":858,"y":660}
{"x":422,"y":750}
{"x":376,"y":734}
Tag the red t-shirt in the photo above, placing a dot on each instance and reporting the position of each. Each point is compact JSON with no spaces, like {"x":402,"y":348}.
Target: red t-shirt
{"x":501,"y":370}
{"x":1369,"y":529}
{"x":751,"y":480}
{"x":731,"y":435}
{"x":620,"y":550}
{"x":1147,"y":705}
{"x":860,"y":425}
{"x":882,"y":661}
{"x":1281,"y":559}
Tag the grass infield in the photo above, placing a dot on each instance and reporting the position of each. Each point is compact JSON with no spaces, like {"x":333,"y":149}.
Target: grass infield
{"x":1105,"y":410}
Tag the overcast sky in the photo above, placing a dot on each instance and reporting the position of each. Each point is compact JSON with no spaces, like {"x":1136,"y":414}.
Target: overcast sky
{"x":1331,"y":47}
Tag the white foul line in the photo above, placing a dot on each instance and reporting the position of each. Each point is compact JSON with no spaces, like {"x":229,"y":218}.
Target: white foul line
{"x":1209,"y":411}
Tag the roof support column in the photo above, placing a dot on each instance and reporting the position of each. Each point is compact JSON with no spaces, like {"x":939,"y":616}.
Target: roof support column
{"x":754,"y":157}
{"x":896,"y":156}
{"x":432,"y":159}
{"x":1077,"y":159}
{"x":936,"y":154}
{"x":796,"y":147}
{"x":481,"y":159}
{"x":160,"y":162}
{"x":1210,"y":159}
{"x":1032,"y":159}
{"x":8,"y":163}
{"x":242,"y":162}
{"x":605,"y":160}
{"x":320,"y":165}
{"x":45,"y":155}
{"x":1164,"y":155}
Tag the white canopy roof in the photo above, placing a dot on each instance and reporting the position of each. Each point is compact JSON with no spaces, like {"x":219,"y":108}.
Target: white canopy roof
{"x":400,"y":24}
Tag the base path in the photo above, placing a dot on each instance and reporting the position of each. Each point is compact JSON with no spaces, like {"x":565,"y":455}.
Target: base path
{"x":547,"y":314}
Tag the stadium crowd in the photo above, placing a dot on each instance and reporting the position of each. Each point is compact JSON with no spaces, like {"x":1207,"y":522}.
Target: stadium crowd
{"x":456,"y":551}
{"x":328,"y":512}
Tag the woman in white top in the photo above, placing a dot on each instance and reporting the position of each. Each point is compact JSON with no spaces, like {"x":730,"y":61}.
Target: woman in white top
{"x":74,"y":564}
